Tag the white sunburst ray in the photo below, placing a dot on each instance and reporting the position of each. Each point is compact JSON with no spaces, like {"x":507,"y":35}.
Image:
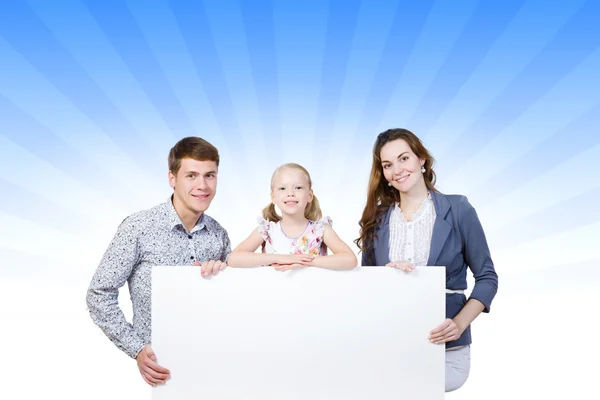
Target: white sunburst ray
{"x":569,"y":246}
{"x":289,"y":89}
{"x":563,"y":248}
{"x":569,"y":99}
{"x":253,"y":149}
{"x":243,"y":180}
{"x":346,"y":207}
{"x":349,"y":195}
{"x":294,"y":150}
{"x":208,"y":127}
{"x":239,"y":157}
{"x":554,"y":277}
{"x":47,"y":243}
{"x":299,"y":74}
{"x":328,"y":90}
{"x":360,"y":72}
{"x":331,"y":150}
{"x":340,"y":155}
{"x":233,"y":55}
{"x":298,"y":113}
{"x":232,"y":170}
{"x":332,"y":190}
{"x":336,"y":147}
{"x":429,"y":54}
{"x":577,"y":175}
{"x":260,"y":128}
{"x":107,"y":69}
{"x":236,"y":161}
{"x":26,"y":272}
{"x":239,"y":161}
{"x":347,"y":179}
{"x":258,"y":147}
{"x":325,"y":143}
{"x":173,"y":57}
{"x":364,"y":61}
{"x":259,"y":71}
{"x":54,"y":185}
{"x":231,"y":180}
{"x":365,"y":46}
{"x":74,"y":127}
{"x":248,"y":201}
{"x":283,"y":91}
{"x":186,"y":84}
{"x":182,"y":75}
{"x":255,"y":158}
{"x":513,"y":59}
{"x":349,"y":134}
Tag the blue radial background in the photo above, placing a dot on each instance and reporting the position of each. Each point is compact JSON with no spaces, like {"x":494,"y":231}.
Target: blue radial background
{"x":505,"y":94}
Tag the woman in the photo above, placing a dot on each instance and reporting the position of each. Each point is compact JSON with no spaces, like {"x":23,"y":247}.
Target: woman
{"x":407,"y":222}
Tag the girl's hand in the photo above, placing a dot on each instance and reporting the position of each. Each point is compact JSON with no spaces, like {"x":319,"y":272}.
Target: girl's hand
{"x":445,"y":332}
{"x":403,"y":265}
{"x":286,"y":267}
{"x":303,"y":259}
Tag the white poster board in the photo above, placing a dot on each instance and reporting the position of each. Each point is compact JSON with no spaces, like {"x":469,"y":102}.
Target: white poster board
{"x":256,"y":333}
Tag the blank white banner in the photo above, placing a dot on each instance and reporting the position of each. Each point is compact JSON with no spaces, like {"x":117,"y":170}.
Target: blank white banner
{"x":314,"y":334}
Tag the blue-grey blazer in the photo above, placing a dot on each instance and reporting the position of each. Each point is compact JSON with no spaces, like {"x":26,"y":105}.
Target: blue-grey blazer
{"x":457,"y":242}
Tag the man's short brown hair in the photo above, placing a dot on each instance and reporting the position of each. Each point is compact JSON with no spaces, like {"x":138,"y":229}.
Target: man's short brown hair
{"x":191,"y":147}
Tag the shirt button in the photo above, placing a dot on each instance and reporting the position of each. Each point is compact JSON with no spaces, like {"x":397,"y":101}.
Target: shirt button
{"x":408,"y":243}
{"x":189,"y":236}
{"x":410,"y":227}
{"x":192,"y":257}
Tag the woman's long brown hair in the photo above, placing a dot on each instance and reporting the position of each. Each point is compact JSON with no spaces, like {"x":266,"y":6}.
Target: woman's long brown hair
{"x":380,"y":195}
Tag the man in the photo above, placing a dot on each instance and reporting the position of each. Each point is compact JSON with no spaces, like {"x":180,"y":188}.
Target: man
{"x":177,"y":232}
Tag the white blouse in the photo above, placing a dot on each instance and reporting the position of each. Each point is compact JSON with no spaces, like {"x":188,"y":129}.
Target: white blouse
{"x":410,"y":240}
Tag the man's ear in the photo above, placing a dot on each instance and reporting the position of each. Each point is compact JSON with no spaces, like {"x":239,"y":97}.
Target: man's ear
{"x":171,"y":180}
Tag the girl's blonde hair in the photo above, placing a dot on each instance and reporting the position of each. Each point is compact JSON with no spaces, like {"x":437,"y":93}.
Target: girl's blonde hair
{"x":312,"y":210}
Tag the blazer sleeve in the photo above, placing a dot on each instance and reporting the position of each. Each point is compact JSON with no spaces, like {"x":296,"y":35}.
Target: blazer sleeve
{"x":477,"y":254}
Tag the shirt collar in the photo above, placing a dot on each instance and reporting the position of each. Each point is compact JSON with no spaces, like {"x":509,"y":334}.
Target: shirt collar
{"x":174,"y":222}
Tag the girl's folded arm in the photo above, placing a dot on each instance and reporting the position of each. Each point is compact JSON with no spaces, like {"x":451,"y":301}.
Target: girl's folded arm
{"x":342,"y":258}
{"x":244,"y":254}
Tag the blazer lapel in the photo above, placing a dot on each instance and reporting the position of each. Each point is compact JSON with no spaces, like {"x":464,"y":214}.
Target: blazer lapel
{"x":441,"y":227}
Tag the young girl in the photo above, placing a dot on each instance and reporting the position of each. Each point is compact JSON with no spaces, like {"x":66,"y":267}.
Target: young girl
{"x":407,"y":222}
{"x":299,"y":237}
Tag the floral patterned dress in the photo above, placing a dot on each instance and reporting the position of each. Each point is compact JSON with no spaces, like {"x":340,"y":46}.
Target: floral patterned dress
{"x":309,"y":242}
